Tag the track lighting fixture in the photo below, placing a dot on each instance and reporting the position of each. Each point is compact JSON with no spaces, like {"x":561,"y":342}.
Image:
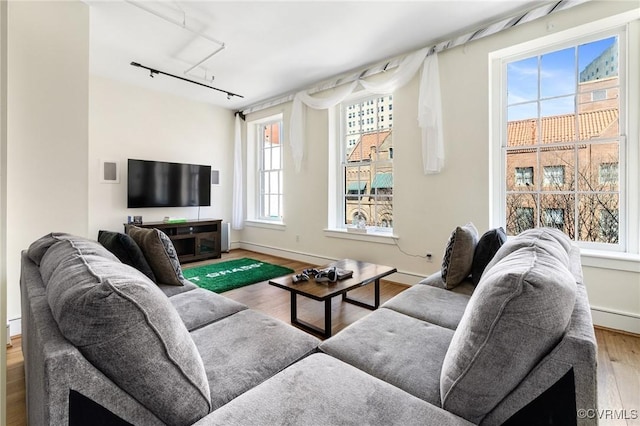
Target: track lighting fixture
{"x":152,"y":73}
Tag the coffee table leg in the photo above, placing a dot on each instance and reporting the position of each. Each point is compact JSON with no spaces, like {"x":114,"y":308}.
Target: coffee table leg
{"x":377,"y":294}
{"x":310,"y":327}
{"x":327,"y":318}
{"x":376,"y":298}
{"x":294,"y":308}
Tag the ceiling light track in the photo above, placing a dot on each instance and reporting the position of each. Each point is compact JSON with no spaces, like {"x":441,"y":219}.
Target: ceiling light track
{"x":183,"y":24}
{"x":153,"y":71}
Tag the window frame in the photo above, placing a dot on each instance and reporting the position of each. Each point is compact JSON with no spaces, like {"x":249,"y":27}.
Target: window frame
{"x":263,"y":173}
{"x":338,"y":186}
{"x":625,"y":26}
{"x":254,"y":176}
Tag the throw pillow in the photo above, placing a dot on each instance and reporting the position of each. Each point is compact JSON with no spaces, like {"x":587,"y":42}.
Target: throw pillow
{"x":514,"y":318}
{"x":160,"y":253}
{"x":458,"y":255}
{"x":487,"y":247}
{"x":125,"y":249}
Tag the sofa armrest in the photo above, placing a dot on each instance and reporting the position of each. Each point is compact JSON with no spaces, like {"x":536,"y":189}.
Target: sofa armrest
{"x":577,"y":352}
{"x":54,"y":367}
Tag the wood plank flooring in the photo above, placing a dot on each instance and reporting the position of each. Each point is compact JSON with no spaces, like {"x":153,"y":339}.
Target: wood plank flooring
{"x":618,"y":353}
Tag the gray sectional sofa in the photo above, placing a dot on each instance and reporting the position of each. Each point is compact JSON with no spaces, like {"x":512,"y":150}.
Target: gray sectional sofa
{"x":103,"y":341}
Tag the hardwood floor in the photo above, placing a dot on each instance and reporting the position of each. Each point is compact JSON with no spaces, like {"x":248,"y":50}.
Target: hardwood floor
{"x":618,"y":353}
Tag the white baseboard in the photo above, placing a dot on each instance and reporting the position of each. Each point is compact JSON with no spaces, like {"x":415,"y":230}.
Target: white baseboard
{"x":15,"y":326}
{"x":616,"y":320}
{"x":402,"y":277}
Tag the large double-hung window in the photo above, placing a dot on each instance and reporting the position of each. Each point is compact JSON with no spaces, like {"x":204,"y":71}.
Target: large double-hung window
{"x":270,"y":170}
{"x":563,"y":151}
{"x":367,"y":162}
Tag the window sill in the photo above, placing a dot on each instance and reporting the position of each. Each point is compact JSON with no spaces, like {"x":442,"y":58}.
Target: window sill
{"x":266,"y":224}
{"x":370,"y":236}
{"x":610,"y":260}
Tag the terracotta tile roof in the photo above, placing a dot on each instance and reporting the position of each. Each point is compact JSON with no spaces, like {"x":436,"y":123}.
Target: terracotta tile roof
{"x":366,"y":142}
{"x":561,"y":128}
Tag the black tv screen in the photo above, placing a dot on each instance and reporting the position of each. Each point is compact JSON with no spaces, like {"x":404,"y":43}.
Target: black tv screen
{"x":162,"y":184}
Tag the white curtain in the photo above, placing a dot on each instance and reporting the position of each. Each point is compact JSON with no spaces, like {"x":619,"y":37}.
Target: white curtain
{"x":429,"y":113}
{"x":400,"y":75}
{"x":237,"y":207}
{"x":298,"y":119}
{"x":430,"y":117}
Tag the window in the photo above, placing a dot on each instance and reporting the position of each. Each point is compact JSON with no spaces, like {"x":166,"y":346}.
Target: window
{"x":608,"y":230}
{"x":270,"y":171}
{"x":523,"y":218}
{"x":553,"y":176}
{"x":554,"y":218}
{"x":608,"y":173}
{"x":599,"y":95}
{"x":366,"y":182}
{"x":564,"y":117}
{"x":524,"y":176}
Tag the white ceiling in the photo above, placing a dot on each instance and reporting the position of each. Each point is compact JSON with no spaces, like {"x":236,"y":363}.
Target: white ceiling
{"x":271,"y":47}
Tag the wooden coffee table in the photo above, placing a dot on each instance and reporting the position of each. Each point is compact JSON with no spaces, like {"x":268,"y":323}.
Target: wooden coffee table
{"x":363,"y":273}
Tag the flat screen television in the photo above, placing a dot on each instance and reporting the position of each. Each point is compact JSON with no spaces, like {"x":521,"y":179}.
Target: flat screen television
{"x":163,"y":184}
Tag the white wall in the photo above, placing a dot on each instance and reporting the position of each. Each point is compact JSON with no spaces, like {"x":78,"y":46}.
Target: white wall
{"x":427,"y":208}
{"x":48,"y":99}
{"x":3,"y":208}
{"x":131,"y":122}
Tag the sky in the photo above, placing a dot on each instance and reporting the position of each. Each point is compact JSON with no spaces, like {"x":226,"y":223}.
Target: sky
{"x":557,"y":75}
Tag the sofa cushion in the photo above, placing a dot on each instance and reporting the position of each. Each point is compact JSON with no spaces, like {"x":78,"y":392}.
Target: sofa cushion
{"x":90,"y":249}
{"x":125,"y":249}
{"x":160,"y":253}
{"x":435,"y":280}
{"x":125,"y":326}
{"x":172,"y":290}
{"x":39,"y":247}
{"x":558,"y":244}
{"x":517,"y":314}
{"x":321,"y":390}
{"x":434,"y":305}
{"x":390,"y":346}
{"x":488,"y":245}
{"x":458,"y":255}
{"x":200,"y":307}
{"x":245,"y":349}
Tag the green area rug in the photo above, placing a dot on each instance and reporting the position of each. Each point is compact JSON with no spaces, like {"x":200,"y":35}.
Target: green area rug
{"x":231,"y":274}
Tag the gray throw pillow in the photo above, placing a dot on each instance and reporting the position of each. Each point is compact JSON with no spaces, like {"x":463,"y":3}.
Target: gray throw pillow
{"x":126,"y":327}
{"x":160,"y":253}
{"x":126,"y":249}
{"x":516,"y":315}
{"x":488,"y":245}
{"x":458,"y":255}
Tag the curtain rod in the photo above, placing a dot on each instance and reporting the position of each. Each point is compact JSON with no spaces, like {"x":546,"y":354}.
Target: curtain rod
{"x":154,"y":71}
{"x":386,"y":65}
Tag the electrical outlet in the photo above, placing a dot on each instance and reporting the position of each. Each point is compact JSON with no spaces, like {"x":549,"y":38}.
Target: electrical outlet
{"x":429,"y":257}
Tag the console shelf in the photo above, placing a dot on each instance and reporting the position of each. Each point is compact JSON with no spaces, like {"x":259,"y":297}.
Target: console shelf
{"x":193,"y":240}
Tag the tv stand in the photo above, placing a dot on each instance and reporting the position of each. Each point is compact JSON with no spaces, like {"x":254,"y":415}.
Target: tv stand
{"x":193,"y":240}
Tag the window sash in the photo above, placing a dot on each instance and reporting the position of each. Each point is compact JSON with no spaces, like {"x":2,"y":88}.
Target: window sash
{"x":604,"y":177}
{"x":362,"y":117}
{"x":270,"y":171}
